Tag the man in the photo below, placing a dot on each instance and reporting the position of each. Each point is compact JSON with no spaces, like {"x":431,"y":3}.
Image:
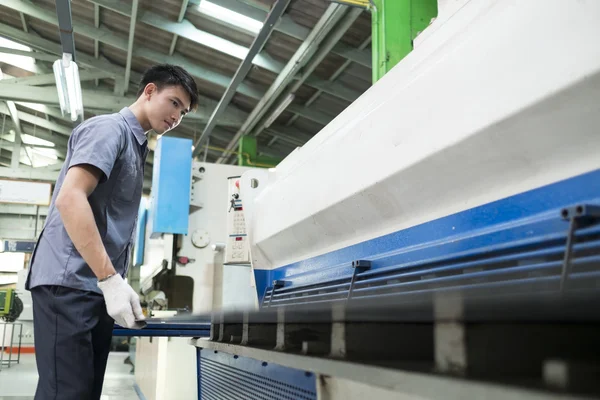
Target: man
{"x":77,"y":268}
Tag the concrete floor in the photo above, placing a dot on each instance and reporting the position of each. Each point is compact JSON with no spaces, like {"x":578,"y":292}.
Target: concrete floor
{"x":19,"y":381}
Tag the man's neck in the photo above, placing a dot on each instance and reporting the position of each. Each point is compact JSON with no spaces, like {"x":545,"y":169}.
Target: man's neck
{"x":138,"y":111}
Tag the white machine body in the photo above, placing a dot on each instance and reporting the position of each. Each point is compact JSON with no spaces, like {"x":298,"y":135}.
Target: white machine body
{"x":498,"y":97}
{"x":217,"y":285}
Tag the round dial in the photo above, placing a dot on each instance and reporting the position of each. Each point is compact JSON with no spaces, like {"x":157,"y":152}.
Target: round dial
{"x":200,"y":239}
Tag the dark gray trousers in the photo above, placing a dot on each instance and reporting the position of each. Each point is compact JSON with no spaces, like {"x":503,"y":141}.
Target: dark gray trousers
{"x":72,"y":340}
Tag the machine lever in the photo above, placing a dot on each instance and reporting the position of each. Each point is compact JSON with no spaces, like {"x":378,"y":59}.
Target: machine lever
{"x":358,"y":266}
{"x":578,"y":217}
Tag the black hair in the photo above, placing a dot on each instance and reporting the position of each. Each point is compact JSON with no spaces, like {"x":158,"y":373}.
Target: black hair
{"x":163,"y":75}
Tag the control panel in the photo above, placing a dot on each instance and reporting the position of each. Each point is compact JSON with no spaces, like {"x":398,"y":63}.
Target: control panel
{"x":237,"y":251}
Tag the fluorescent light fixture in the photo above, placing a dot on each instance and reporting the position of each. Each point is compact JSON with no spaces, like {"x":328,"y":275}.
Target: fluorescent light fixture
{"x":22,"y":62}
{"x":231,"y":17}
{"x":279,"y":110}
{"x":68,"y":85}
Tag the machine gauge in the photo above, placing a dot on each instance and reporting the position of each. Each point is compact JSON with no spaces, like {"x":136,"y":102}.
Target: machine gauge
{"x":200,"y":239}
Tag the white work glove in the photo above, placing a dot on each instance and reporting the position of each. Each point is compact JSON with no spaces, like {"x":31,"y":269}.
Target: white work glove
{"x":122,"y":302}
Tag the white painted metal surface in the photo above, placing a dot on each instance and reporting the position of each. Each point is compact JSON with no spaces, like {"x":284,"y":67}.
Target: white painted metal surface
{"x":499,"y":98}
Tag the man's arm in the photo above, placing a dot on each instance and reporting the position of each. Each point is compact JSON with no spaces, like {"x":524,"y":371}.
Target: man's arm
{"x":78,"y":219}
{"x":122,"y":303}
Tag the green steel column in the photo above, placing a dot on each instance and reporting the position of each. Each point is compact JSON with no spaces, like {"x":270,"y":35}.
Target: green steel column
{"x":247,"y":150}
{"x":395,"y":23}
{"x":247,"y":154}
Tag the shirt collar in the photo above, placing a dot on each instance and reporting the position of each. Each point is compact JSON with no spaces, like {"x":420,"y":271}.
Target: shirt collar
{"x":134,"y":125}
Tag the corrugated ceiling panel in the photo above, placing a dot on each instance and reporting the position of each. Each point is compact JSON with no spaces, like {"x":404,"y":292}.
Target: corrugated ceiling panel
{"x":281,"y":46}
{"x":307,"y":125}
{"x":260,"y":78}
{"x":167,"y":8}
{"x":152,"y":38}
{"x":10,"y":17}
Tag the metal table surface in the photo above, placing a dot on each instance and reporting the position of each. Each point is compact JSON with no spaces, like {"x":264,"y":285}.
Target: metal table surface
{"x":167,"y":327}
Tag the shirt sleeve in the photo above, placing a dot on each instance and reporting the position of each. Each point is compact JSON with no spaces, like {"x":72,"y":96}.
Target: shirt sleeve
{"x":99,"y":144}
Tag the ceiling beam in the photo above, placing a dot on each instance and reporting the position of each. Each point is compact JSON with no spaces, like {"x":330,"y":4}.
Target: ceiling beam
{"x":132,"y":21}
{"x":263,"y":36}
{"x":65,"y":27}
{"x":49,"y":79}
{"x":287,"y":26}
{"x":44,"y":109}
{"x":332,"y":78}
{"x":49,"y":95}
{"x":24,"y":22}
{"x":39,"y":121}
{"x":333,"y":38}
{"x":59,"y":140}
{"x":101,"y":101}
{"x":16,"y":154}
{"x":184,"y":29}
{"x":194,"y":69}
{"x":312,"y":114}
{"x":10,"y":140}
{"x":182,"y":10}
{"x":49,"y":46}
{"x":26,"y":53}
{"x":301,"y":57}
{"x":96,"y":42}
{"x":188,"y":31}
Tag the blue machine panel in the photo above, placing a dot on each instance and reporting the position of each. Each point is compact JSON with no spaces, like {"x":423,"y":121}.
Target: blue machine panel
{"x":510,"y":246}
{"x":171,"y":180}
{"x":227,"y":376}
{"x":140,"y":233}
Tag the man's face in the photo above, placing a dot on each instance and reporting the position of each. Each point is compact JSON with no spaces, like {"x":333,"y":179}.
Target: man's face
{"x":166,"y":108}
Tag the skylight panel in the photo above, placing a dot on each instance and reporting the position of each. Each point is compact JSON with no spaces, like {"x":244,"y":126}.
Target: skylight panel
{"x":22,"y":62}
{"x":231,"y":17}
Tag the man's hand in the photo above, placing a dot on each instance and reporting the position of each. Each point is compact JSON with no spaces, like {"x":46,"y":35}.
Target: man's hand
{"x":122,"y":302}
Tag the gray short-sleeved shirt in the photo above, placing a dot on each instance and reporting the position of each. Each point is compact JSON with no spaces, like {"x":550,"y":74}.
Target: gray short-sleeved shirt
{"x":116,"y":144}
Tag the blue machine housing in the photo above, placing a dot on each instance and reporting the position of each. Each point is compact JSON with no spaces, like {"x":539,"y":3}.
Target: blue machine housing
{"x":511,"y":246}
{"x":222,"y":375}
{"x":171,"y":186}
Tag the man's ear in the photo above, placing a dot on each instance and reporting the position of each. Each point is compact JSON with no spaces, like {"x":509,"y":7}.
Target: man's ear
{"x":150,"y":90}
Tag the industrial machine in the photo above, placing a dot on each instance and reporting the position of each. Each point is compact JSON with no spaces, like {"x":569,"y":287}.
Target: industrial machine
{"x":190,"y":257}
{"x":439,"y":239}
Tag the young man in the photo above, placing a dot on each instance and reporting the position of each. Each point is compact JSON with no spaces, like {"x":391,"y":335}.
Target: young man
{"x":77,"y":268}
